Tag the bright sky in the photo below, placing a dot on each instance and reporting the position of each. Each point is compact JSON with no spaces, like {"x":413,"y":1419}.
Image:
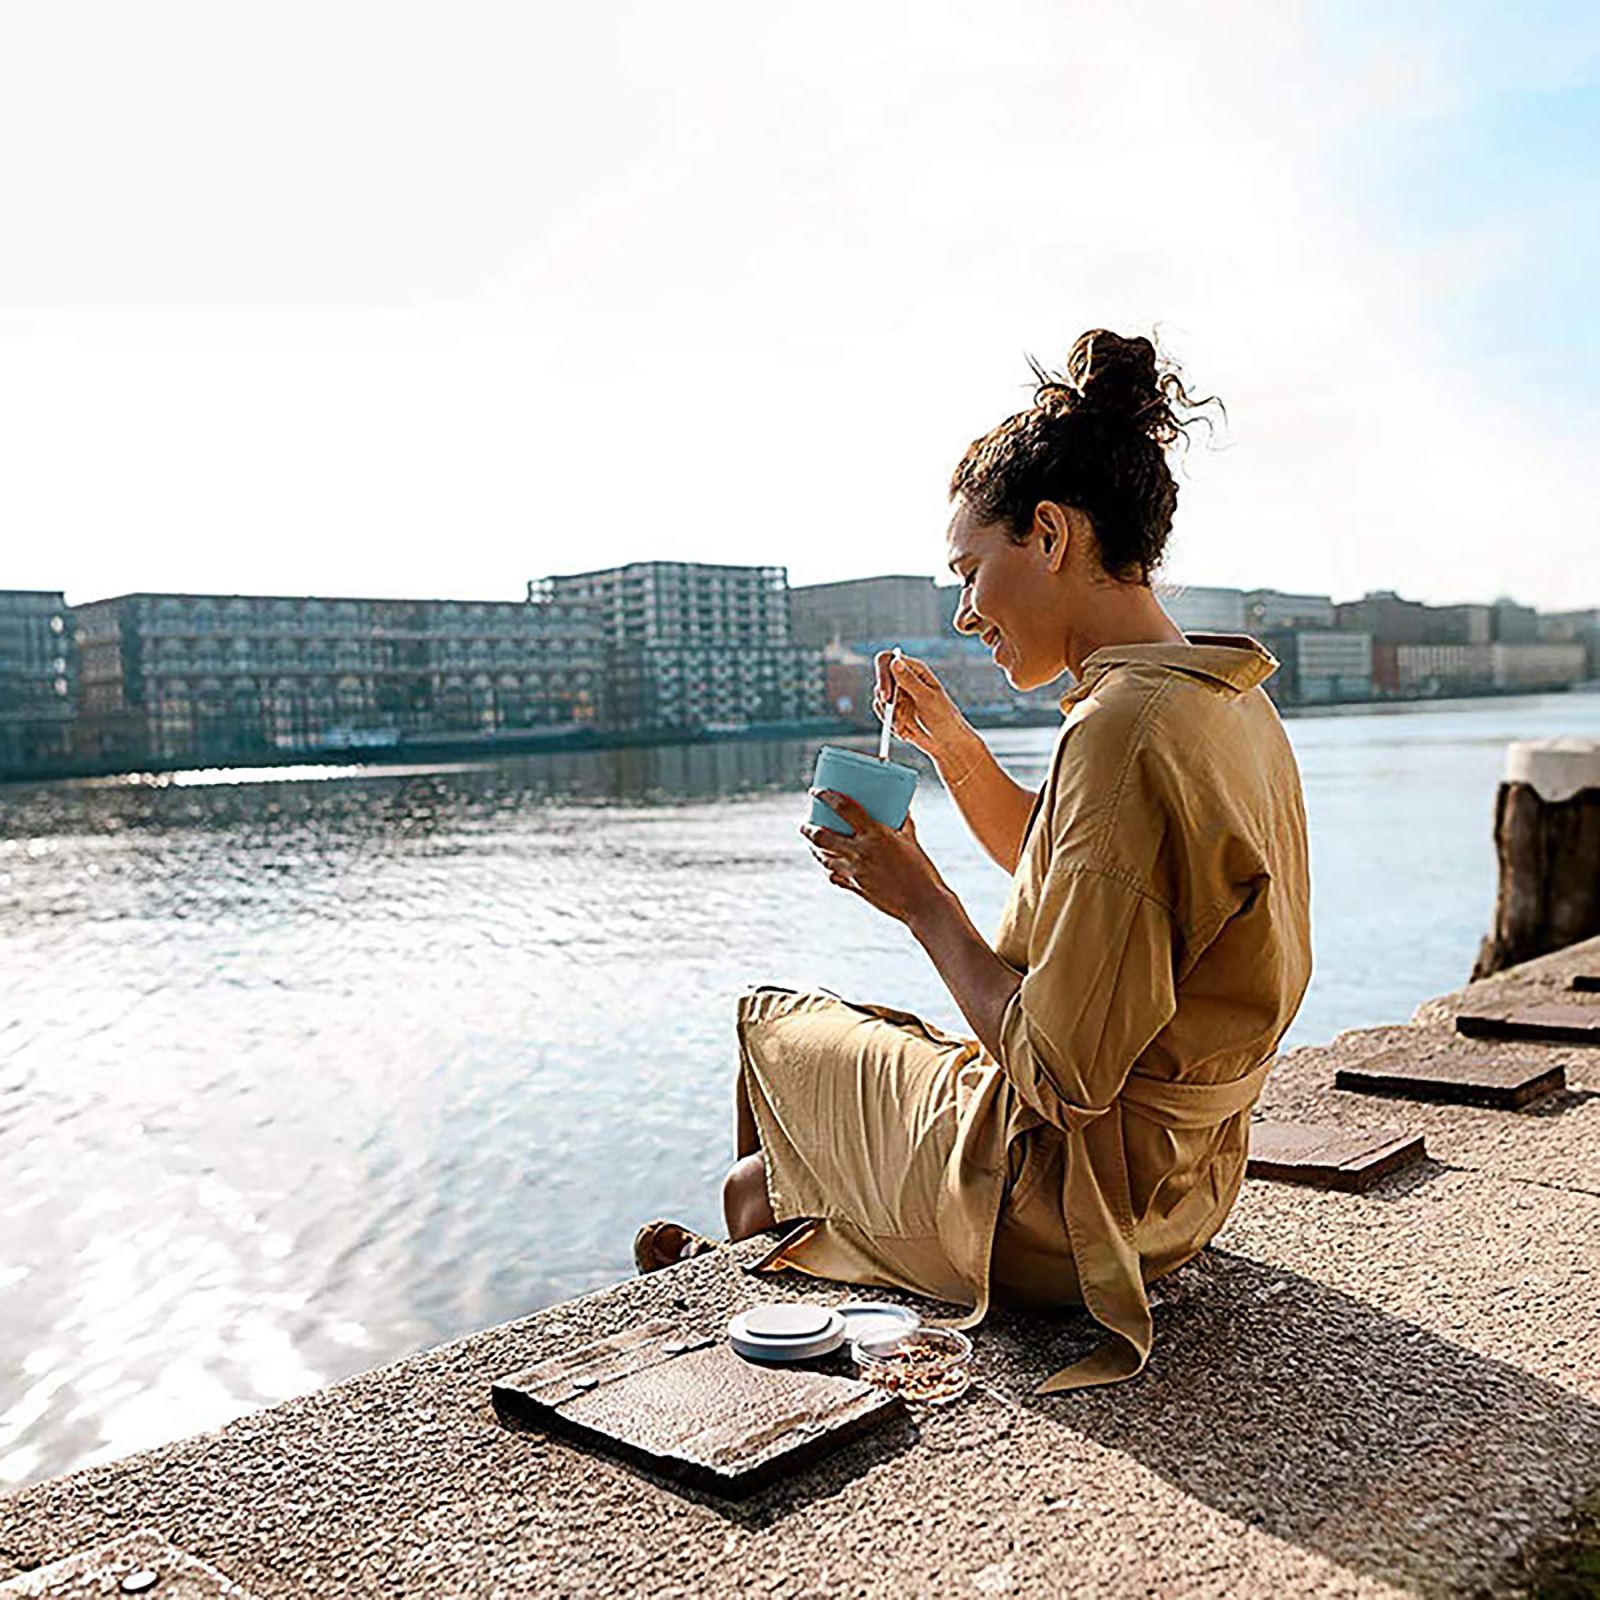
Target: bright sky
{"x":408,"y":300}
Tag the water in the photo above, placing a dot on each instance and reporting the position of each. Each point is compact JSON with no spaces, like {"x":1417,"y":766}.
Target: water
{"x":299,"y":1075}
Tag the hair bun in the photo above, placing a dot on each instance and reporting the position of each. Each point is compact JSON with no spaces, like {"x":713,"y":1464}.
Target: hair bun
{"x":1120,"y":380}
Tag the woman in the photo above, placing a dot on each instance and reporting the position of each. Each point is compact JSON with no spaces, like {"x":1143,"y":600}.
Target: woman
{"x":1156,"y":945}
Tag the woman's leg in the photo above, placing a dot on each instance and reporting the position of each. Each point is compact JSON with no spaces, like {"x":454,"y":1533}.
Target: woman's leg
{"x":745,"y":1205}
{"x":746,"y":1136}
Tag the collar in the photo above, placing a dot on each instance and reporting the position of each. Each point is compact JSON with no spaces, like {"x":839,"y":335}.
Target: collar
{"x":1233,"y":660}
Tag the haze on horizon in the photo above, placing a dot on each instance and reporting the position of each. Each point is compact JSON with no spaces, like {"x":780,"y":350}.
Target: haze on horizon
{"x":349,"y":298}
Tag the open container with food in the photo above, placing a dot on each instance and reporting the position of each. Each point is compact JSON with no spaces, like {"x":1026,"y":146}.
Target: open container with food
{"x":928,"y":1366}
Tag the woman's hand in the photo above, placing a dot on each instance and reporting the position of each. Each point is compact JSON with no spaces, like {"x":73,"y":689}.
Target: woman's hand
{"x":885,"y":866}
{"x":924,"y":714}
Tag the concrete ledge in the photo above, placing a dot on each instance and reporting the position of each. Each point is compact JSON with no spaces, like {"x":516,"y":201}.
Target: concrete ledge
{"x":1379,"y":1394}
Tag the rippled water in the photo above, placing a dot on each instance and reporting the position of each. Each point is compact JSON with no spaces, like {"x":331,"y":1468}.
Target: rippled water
{"x":300,"y":1074}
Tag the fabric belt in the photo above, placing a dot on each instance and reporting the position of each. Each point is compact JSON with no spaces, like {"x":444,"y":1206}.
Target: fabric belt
{"x":1113,"y":1285}
{"x":1192,"y":1105}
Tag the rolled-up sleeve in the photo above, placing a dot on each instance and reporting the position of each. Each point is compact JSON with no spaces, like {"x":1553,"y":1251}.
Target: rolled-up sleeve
{"x":1098,"y":988}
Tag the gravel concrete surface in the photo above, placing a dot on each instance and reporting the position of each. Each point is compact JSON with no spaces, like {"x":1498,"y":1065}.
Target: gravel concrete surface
{"x":1379,"y":1394}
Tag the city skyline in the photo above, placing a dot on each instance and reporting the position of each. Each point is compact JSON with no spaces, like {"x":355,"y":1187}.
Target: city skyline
{"x":646,"y":650}
{"x":538,"y":283}
{"x":1164,"y":588}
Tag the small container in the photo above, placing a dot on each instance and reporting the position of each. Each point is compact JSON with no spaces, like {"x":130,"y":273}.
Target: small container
{"x":928,"y":1366}
{"x":784,"y":1331}
{"x":883,"y":788}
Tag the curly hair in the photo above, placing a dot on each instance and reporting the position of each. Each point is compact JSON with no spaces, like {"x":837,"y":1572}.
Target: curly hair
{"x":1096,"y":439}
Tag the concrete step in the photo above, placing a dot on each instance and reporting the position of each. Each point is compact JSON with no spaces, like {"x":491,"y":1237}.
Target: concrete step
{"x":1347,"y":1159}
{"x":1440,"y":1066}
{"x":1560,"y":1021}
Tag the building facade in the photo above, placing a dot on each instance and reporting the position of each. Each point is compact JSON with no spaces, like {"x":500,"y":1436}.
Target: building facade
{"x":1198,"y":609}
{"x":1412,"y":670}
{"x":179,"y":677}
{"x":890,"y":607}
{"x":38,"y":671}
{"x":1268,"y":609}
{"x":1319,"y":666}
{"x":1514,"y":623}
{"x":1575,"y":627}
{"x":1386,"y":617}
{"x":696,"y":647}
{"x":1539,"y":666}
{"x":1463,"y":624}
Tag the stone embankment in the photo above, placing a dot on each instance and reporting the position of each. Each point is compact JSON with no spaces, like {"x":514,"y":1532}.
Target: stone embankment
{"x":1378,"y":1393}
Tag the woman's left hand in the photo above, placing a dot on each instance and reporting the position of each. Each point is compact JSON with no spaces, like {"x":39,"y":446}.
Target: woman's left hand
{"x":885,"y":866}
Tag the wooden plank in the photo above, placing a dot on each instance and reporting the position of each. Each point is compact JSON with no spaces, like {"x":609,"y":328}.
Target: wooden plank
{"x":685,"y":1406}
{"x":138,"y":1563}
{"x":1347,"y":1159}
{"x":1558,"y":1021}
{"x":1464,"y":1071}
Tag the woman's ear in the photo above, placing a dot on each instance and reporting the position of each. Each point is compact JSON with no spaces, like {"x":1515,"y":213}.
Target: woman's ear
{"x":1053,"y":527}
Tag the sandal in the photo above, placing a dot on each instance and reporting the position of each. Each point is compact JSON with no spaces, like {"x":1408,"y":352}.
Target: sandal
{"x":665,"y":1244}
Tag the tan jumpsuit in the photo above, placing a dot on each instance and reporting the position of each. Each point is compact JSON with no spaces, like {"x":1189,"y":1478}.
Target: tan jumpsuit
{"x":1160,"y":917}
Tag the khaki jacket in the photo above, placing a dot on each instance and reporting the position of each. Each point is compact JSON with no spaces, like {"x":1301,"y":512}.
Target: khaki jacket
{"x":1160,"y":916}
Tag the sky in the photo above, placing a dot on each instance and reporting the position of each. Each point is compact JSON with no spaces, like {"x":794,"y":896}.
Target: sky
{"x":428,"y":300}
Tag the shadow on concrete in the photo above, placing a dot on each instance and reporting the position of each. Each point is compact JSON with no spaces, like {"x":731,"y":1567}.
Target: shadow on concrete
{"x":1557,"y":1104}
{"x":1329,"y":1424}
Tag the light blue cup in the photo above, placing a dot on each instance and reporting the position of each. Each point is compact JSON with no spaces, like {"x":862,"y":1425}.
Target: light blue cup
{"x":883,"y":788}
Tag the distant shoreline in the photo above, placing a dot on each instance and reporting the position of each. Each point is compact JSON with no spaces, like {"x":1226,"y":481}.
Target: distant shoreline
{"x":429,"y":752}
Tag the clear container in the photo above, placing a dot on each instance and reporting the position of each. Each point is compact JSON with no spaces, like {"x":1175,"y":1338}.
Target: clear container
{"x":927,"y":1366}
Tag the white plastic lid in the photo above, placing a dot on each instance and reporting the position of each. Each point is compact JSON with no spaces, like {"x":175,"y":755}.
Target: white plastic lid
{"x":799,"y":1333}
{"x":784,"y":1321}
{"x":865,"y":1319}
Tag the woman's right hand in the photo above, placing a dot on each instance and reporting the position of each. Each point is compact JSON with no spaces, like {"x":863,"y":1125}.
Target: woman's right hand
{"x":925,"y":715}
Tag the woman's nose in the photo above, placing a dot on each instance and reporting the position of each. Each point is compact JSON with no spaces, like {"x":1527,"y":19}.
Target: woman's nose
{"x":966,"y":619}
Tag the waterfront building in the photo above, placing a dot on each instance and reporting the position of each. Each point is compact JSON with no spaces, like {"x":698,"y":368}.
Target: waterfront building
{"x":1531,"y":665}
{"x":1463,"y":624}
{"x":894,"y":606}
{"x":1198,"y":609}
{"x":1514,"y":623}
{"x":1412,"y":670}
{"x":1320,"y":666}
{"x":1383,"y":615}
{"x":1574,"y":627}
{"x":695,"y":646}
{"x":1266,"y":609}
{"x":37,"y":674}
{"x":201,"y":677}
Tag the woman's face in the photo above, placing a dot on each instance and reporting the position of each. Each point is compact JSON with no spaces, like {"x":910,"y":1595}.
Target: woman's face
{"x":1013,"y":596}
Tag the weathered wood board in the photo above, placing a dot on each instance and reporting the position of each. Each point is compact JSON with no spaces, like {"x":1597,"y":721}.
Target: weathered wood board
{"x":138,"y":1563}
{"x":1556,"y":1021}
{"x":1347,"y":1159}
{"x":1471,"y":1072}
{"x":685,"y":1406}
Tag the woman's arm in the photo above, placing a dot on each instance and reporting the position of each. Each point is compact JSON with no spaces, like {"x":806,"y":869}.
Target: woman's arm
{"x":890,"y":870}
{"x":994,"y":806}
{"x":978,"y":980}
